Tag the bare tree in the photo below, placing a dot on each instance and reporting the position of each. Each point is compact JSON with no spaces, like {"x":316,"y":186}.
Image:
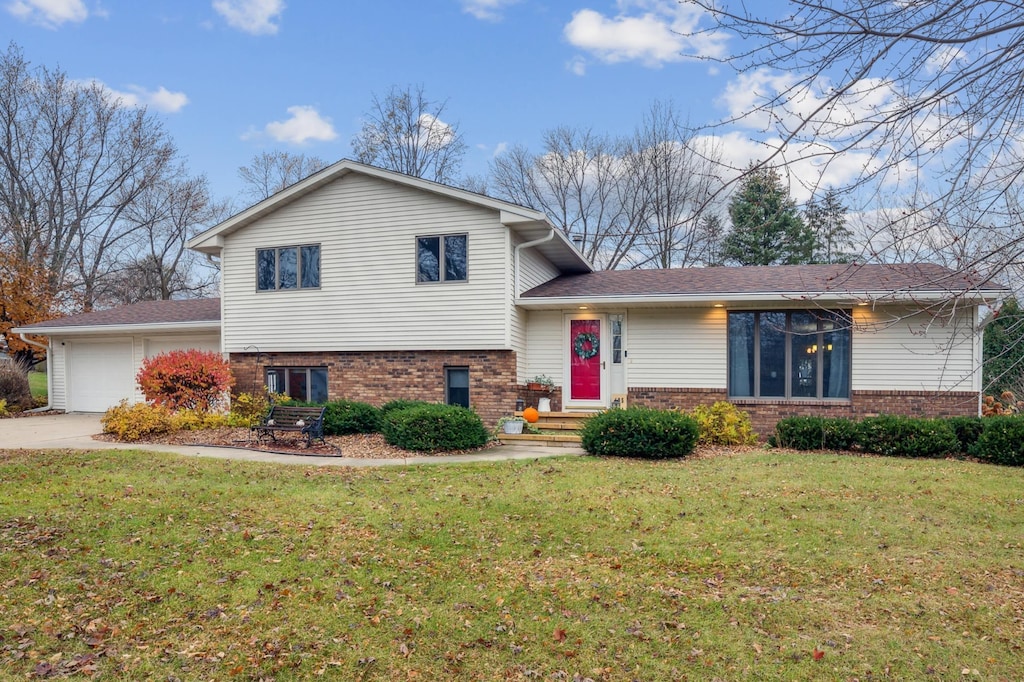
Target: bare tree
{"x":270,"y":172}
{"x":72,"y":160}
{"x":676,"y":174}
{"x":576,"y":182}
{"x":405,"y":132}
{"x":155,"y":264}
{"x":925,"y":98}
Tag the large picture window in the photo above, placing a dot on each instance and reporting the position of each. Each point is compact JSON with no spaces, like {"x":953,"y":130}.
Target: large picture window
{"x":288,"y":267}
{"x":308,"y":384}
{"x":441,"y":258}
{"x":789,"y":354}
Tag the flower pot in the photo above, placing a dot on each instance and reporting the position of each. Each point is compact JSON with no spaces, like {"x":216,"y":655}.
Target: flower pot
{"x":534,"y":386}
{"x":544,"y":404}
{"x":512,"y":427}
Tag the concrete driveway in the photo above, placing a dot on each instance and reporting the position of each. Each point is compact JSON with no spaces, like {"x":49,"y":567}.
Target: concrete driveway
{"x":74,"y":432}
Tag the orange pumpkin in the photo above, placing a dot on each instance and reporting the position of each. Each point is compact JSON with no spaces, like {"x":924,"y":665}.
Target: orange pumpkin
{"x":531,"y":414}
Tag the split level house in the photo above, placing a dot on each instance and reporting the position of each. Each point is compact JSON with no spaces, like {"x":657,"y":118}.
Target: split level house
{"x":365,"y":284}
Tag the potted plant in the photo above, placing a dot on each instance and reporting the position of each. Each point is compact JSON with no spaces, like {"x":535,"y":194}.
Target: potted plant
{"x":511,"y":425}
{"x":541,"y":382}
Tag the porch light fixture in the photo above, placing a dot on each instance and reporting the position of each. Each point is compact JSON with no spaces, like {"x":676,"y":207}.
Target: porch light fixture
{"x":583,"y":307}
{"x":719,"y":305}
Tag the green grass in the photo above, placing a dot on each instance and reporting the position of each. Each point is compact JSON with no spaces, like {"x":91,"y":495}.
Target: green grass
{"x":37,"y":383}
{"x":141,"y":566}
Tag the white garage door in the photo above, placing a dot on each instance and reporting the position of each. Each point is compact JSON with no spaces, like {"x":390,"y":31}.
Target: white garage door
{"x":100,"y":373}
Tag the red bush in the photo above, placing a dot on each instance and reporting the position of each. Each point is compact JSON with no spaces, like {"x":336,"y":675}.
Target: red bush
{"x":185,"y":379}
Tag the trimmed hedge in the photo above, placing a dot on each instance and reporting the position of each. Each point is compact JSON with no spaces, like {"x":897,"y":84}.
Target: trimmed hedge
{"x":967,"y":430}
{"x":1001,"y":441}
{"x":400,"y":404}
{"x":640,"y":432}
{"x":434,"y":428}
{"x":907,"y":436}
{"x":815,"y":433}
{"x":342,"y":417}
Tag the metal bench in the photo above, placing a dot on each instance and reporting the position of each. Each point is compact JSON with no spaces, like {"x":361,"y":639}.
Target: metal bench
{"x":307,"y":421}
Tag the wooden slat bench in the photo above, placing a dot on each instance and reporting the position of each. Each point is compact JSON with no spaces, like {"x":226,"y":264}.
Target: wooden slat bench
{"x":308,"y":421}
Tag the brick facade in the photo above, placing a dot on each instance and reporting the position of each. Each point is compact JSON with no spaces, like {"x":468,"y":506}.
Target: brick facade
{"x":764,"y":413}
{"x":379,"y":376}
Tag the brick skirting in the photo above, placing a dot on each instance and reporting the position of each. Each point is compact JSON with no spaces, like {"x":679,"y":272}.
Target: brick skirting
{"x":376,"y":377}
{"x":764,"y":413}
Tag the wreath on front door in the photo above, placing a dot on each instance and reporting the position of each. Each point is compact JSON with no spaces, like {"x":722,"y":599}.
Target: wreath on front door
{"x":586,"y":345}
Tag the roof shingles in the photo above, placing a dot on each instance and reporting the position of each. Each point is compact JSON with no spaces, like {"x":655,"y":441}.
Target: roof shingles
{"x":784,"y":279}
{"x":144,"y":313}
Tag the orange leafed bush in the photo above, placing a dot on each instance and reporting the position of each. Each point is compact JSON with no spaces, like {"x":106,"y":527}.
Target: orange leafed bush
{"x":185,"y":379}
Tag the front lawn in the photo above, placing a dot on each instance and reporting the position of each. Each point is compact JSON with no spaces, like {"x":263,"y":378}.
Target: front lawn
{"x":748,"y":567}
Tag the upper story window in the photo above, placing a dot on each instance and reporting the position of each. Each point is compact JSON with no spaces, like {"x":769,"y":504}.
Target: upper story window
{"x":789,"y":354}
{"x":288,"y":267}
{"x":441,"y":258}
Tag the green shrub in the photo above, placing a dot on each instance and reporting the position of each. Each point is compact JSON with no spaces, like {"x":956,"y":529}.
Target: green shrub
{"x":14,"y":387}
{"x":907,"y":436}
{"x":130,"y":423}
{"x":723,"y":424}
{"x":434,"y":428}
{"x":400,"y":404}
{"x":343,"y":417}
{"x":639,"y":432}
{"x":815,"y":433}
{"x":1001,"y":441}
{"x":967,"y":430}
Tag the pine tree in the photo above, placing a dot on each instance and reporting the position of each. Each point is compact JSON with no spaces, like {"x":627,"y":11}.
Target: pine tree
{"x":827,"y":221}
{"x":1003,"y":348}
{"x":766,"y":227}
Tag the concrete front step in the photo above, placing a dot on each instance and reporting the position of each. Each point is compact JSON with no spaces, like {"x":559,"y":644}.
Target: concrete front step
{"x":549,"y":439}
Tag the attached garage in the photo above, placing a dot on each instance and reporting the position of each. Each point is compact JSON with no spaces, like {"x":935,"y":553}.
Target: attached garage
{"x":93,"y":358}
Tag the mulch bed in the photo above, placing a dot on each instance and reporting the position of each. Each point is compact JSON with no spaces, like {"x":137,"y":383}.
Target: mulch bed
{"x":356,"y":446}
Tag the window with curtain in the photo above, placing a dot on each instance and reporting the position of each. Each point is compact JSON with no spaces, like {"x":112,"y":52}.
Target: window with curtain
{"x":789,"y":354}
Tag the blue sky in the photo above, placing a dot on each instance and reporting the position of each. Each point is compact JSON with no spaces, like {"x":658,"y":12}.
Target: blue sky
{"x":233,"y":78}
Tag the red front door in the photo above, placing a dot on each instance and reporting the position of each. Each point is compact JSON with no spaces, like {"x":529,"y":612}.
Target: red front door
{"x":585,"y":360}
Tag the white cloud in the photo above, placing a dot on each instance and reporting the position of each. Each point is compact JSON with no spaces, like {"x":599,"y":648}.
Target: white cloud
{"x":49,"y":13}
{"x":486,"y":10}
{"x":161,"y":99}
{"x":500,"y":149}
{"x":304,"y":125}
{"x":652,"y":32}
{"x":258,"y":17}
{"x":577,"y":66}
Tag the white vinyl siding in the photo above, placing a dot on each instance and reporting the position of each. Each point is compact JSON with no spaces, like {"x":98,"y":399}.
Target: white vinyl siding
{"x":545,"y":341}
{"x":58,"y":375}
{"x":368,"y":297}
{"x":535,"y":269}
{"x":899,"y":349}
{"x":682,"y":348}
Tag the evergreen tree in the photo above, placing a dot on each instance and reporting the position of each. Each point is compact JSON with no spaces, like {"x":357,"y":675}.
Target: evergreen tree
{"x":827,"y":221}
{"x":766,"y":227}
{"x":1003,"y":348}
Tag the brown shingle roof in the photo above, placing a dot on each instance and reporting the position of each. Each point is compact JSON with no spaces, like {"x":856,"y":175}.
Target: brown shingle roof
{"x":145,"y":313}
{"x":782,"y":279}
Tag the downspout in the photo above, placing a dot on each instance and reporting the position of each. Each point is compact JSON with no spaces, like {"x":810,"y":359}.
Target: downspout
{"x":526,"y":245}
{"x":49,"y":372}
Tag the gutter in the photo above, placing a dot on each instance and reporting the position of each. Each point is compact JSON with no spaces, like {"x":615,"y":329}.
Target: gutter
{"x":49,"y":373}
{"x":526,"y":245}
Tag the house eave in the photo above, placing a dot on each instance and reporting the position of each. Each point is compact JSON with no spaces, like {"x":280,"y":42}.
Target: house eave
{"x":746,"y":299}
{"x":107,"y":329}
